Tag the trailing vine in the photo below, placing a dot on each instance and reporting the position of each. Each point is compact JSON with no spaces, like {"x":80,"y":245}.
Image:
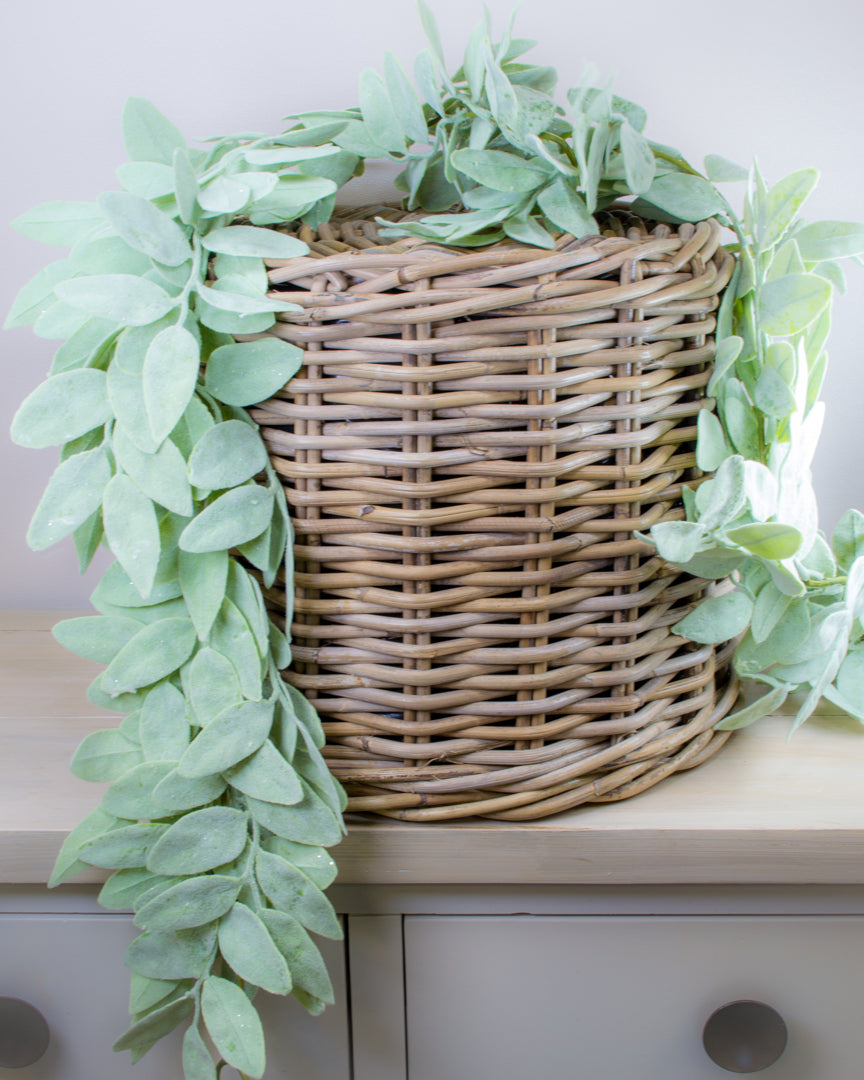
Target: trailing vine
{"x":221,"y":808}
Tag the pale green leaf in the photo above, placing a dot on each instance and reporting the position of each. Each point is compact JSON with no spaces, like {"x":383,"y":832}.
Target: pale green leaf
{"x":67,"y":863}
{"x":147,"y":134}
{"x":168,"y":379}
{"x":144,"y":993}
{"x":770,"y":540}
{"x":122,"y":848}
{"x":233,"y":1025}
{"x":94,"y":637}
{"x":379,"y":114}
{"x":310,"y":821}
{"x":59,"y":322}
{"x":314,"y":861}
{"x":678,"y":541}
{"x":232,"y":637}
{"x":248,"y":240}
{"x":211,"y":685}
{"x":790,"y":303}
{"x":847,"y":541}
{"x":227,"y":455}
{"x":233,"y":518}
{"x":712,"y":449}
{"x":132,"y":530}
{"x":148,"y":179}
{"x":253,"y":371}
{"x":156,"y":651}
{"x":61,"y":223}
{"x":197,"y":1062}
{"x":38,"y":294}
{"x":639,"y":164}
{"x":239,"y":303}
{"x":749,"y":714}
{"x":74,"y":492}
{"x":147,"y":1031}
{"x":233,"y":735}
{"x":783,"y":202}
{"x":716,"y":619}
{"x":178,"y":793}
{"x":199,"y":841}
{"x":191,"y":902}
{"x":125,"y":299}
{"x":62,"y":408}
{"x":248,"y":949}
{"x":145,"y":228}
{"x":725,"y":494}
{"x":123,"y":888}
{"x":163,"y":725}
{"x":163,"y":954}
{"x":305,"y":963}
{"x":721,"y":170}
{"x":160,"y":476}
{"x":403,"y":97}
{"x":499,"y":170}
{"x":291,"y":890}
{"x":203,"y":577}
{"x":266,"y":775}
{"x":823,"y":240}
{"x":686,"y":197}
{"x":130,"y":796}
{"x":773,"y":395}
{"x":224,"y":195}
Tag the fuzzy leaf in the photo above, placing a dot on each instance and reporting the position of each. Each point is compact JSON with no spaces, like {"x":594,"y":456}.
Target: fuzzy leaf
{"x":163,"y":954}
{"x":95,"y":637}
{"x":686,"y":197}
{"x":291,"y":890}
{"x":105,"y":755}
{"x":67,"y":864}
{"x":147,"y":134}
{"x":178,"y":793}
{"x":233,"y":518}
{"x":822,"y":240}
{"x":200,"y":841}
{"x":132,"y":530}
{"x":197,"y":1062}
{"x":717,"y":619}
{"x":62,"y":408}
{"x":161,"y":476}
{"x":168,"y":378}
{"x":248,"y":949}
{"x":122,"y":890}
{"x":61,"y":223}
{"x":145,"y":228}
{"x":74,"y":492}
{"x":233,"y":1025}
{"x":130,"y":796}
{"x":143,"y":1034}
{"x":203,"y":578}
{"x":211,"y":685}
{"x":791,"y":302}
{"x":191,"y":902}
{"x":498,"y":170}
{"x":248,"y":240}
{"x":250,"y":372}
{"x":125,"y":299}
{"x":266,"y":775}
{"x":122,"y":848}
{"x":235,"y":734}
{"x":307,"y":968}
{"x":156,"y":651}
{"x":227,"y":455}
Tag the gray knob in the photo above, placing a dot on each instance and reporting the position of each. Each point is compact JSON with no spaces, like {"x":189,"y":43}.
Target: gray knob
{"x":24,"y":1034}
{"x":744,"y":1036}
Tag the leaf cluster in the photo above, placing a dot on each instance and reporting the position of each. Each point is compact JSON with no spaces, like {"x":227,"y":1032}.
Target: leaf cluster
{"x":220,"y":806}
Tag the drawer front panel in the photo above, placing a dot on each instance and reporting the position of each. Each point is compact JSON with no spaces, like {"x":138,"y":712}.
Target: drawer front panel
{"x":615,"y":998}
{"x":70,"y":967}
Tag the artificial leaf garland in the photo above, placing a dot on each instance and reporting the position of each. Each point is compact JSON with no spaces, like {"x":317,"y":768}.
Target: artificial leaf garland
{"x":220,"y":807}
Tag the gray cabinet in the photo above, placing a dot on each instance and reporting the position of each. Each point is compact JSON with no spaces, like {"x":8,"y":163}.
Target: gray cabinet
{"x":69,"y":967}
{"x":555,"y":998}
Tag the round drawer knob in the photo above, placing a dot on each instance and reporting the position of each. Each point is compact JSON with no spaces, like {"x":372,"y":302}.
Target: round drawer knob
{"x":744,"y":1036}
{"x":24,"y":1034}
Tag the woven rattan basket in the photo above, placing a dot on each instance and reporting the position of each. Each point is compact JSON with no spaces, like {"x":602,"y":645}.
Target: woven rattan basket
{"x":469,"y":451}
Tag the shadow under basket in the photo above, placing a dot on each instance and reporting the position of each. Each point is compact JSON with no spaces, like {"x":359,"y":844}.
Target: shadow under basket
{"x":470,"y":450}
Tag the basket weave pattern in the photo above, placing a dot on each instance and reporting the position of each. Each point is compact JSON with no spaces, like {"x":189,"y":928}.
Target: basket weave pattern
{"x":469,"y":451}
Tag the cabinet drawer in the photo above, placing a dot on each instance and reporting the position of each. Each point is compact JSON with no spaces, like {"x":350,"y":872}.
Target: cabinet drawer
{"x":626,"y":998}
{"x":70,"y":967}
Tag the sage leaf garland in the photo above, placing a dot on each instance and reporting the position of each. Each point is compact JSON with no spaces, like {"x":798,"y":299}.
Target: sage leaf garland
{"x":221,"y":807}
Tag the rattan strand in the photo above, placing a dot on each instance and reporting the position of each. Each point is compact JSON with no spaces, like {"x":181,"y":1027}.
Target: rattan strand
{"x":470,"y":451}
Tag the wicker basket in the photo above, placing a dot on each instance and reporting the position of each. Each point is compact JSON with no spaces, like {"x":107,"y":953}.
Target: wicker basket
{"x":469,"y":451}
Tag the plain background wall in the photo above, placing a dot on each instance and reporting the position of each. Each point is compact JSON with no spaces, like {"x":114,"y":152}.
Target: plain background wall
{"x":740,"y":78}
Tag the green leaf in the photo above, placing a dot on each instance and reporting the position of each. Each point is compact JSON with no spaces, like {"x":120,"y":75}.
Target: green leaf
{"x":178,"y":793}
{"x":144,"y":993}
{"x":203,"y":578}
{"x":789,"y":633}
{"x":717,"y":619}
{"x":182,"y":954}
{"x":721,"y":170}
{"x":108,"y":255}
{"x":250,"y":372}
{"x":770,"y":540}
{"x":239,"y":303}
{"x":308,"y":970}
{"x":726,"y":494}
{"x":200,"y":841}
{"x":233,"y":735}
{"x":132,"y":529}
{"x":847,"y":540}
{"x":38,"y":294}
{"x":115,"y":590}
{"x":689,"y":198}
{"x":227,"y":455}
{"x":147,"y":179}
{"x":191,"y":902}
{"x":160,"y":476}
{"x":248,"y":949}
{"x":245,"y":594}
{"x":783,"y":202}
{"x":743,"y":424}
{"x":247,"y":240}
{"x":823,"y":240}
{"x":146,"y":228}
{"x":95,"y":637}
{"x":291,"y":890}
{"x":143,"y":1034}
{"x":130,"y":796}
{"x":233,"y":518}
{"x":105,"y":755}
{"x":379,"y":113}
{"x":639,"y":164}
{"x":773,"y":395}
{"x":58,"y":322}
{"x":121,"y":891}
{"x":168,"y":378}
{"x":233,"y":1025}
{"x":67,"y":864}
{"x":712,"y":449}
{"x":791,"y":302}
{"x":404,"y":101}
{"x":266,"y":775}
{"x":310,"y":821}
{"x":211,"y":685}
{"x":224,"y":195}
{"x":197,"y":1062}
{"x":498,"y":170}
{"x":122,"y":848}
{"x":678,"y":541}
{"x":156,"y":651}
{"x":749,"y":714}
{"x":125,"y":299}
{"x":74,"y":492}
{"x":61,"y":223}
{"x":314,"y":861}
{"x":147,"y":134}
{"x":232,"y":637}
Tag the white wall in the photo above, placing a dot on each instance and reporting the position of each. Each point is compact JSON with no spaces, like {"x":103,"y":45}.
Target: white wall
{"x":782,"y":81}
